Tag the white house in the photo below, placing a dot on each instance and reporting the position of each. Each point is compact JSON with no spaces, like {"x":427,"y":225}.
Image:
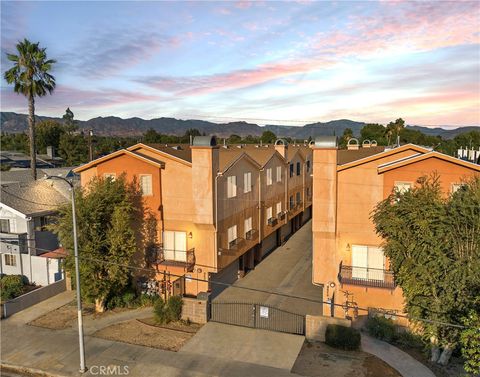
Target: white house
{"x":25,"y":211}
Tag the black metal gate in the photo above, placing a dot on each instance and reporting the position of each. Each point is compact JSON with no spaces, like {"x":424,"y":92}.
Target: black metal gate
{"x":258,"y":316}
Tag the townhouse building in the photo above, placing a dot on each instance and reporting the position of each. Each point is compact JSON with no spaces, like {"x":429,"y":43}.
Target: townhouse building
{"x":347,"y":253}
{"x":219,"y":209}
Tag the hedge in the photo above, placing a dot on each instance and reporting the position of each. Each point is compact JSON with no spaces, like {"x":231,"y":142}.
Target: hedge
{"x":342,"y":337}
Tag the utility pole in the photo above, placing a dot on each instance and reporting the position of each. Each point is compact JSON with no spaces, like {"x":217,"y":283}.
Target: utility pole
{"x":90,"y":147}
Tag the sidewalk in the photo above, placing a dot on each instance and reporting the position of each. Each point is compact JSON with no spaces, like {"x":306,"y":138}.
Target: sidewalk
{"x":405,"y":364}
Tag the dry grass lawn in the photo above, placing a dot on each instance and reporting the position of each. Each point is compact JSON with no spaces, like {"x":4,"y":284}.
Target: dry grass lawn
{"x":144,"y":332}
{"x":318,"y":359}
{"x":63,"y":317}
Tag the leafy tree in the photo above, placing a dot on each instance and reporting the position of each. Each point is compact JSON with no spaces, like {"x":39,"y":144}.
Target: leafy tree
{"x":30,"y":76}
{"x":151,"y":136}
{"x":49,"y":133}
{"x":470,"y":340}
{"x":394,"y":129}
{"x":433,"y":244}
{"x":374,"y":131}
{"x":234,"y":139}
{"x":268,"y":137}
{"x":347,"y":135}
{"x":106,"y":214}
{"x":73,"y":149}
{"x":14,"y":142}
{"x":70,"y":123}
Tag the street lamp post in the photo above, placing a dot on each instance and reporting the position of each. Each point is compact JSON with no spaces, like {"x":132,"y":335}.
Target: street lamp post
{"x":83,"y":369}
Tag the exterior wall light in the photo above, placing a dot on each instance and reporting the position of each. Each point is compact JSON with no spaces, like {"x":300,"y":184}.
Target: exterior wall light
{"x":190,"y":235}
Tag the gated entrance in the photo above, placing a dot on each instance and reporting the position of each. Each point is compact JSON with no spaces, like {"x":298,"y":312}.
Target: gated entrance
{"x":257,"y":316}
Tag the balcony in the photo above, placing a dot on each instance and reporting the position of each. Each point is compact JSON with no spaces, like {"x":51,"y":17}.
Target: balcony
{"x":272,"y":221}
{"x":251,"y":234}
{"x":13,"y":242}
{"x":366,"y":277}
{"x":177,"y":258}
{"x":281,"y":215}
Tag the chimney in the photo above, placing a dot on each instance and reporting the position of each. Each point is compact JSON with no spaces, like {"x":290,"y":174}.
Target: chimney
{"x":324,"y":220}
{"x":205,"y":166}
{"x":51,"y":151}
{"x":281,"y":146}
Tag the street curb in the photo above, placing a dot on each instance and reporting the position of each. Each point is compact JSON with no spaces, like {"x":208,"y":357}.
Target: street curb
{"x":32,"y":371}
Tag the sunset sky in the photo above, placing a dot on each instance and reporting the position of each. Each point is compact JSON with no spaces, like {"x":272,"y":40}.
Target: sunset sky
{"x":267,"y":62}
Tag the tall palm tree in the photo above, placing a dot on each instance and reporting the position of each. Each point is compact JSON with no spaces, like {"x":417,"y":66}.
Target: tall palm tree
{"x":31,"y":77}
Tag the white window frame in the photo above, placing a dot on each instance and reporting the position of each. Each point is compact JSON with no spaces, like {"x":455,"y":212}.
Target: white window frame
{"x":401,"y":186}
{"x":269,"y":213}
{"x":9,"y":226}
{"x":150,"y":191}
{"x":231,"y":186}
{"x":269,"y":176}
{"x":11,"y":260}
{"x":366,"y":266}
{"x":279,"y":208}
{"x":112,"y":176}
{"x":177,"y":252}
{"x":247,"y":182}
{"x":279,"y":174}
{"x":247,"y":225}
{"x":231,"y":234}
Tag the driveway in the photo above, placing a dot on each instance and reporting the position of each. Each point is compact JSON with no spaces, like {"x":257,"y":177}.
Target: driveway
{"x":287,"y":270}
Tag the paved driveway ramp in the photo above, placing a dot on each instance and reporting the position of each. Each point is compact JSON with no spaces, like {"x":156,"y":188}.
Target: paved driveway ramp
{"x":274,"y":349}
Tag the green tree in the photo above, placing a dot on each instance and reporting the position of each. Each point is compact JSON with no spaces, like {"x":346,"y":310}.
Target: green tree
{"x":69,"y":122}
{"x":73,"y":149}
{"x":374,"y":131}
{"x":234,"y":139}
{"x":30,"y":76}
{"x":151,"y":136}
{"x":268,"y":137}
{"x":394,"y":129}
{"x":347,"y":135}
{"x":49,"y":133}
{"x":470,"y":340}
{"x":106,"y":217}
{"x":433,"y":244}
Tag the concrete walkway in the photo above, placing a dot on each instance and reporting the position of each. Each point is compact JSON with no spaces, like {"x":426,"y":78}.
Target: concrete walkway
{"x":287,"y":270}
{"x":405,"y":364}
{"x":244,"y":344}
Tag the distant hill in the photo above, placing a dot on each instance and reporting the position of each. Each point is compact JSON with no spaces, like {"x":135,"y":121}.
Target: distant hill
{"x":13,"y":122}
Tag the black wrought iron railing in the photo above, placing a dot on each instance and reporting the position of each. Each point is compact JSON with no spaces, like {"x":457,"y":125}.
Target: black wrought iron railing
{"x":365,"y":276}
{"x":184,"y":258}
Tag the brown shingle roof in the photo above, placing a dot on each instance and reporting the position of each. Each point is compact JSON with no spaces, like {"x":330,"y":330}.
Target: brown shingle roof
{"x":345,"y":156}
{"x":181,"y":151}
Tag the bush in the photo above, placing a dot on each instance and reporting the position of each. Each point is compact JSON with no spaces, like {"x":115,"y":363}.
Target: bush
{"x":129,"y":300}
{"x":147,"y":300}
{"x":11,"y":286}
{"x":342,"y":337}
{"x":382,"y":328}
{"x":169,"y":311}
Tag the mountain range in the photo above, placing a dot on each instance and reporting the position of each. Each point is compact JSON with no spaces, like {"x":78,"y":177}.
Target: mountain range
{"x":115,"y":126}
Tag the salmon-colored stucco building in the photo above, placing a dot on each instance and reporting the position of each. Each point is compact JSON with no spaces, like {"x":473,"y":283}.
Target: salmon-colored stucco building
{"x":219,"y":209}
{"x":347,"y":185}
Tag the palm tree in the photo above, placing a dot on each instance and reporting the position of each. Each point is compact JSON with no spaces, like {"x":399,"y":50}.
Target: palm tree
{"x":30,"y":75}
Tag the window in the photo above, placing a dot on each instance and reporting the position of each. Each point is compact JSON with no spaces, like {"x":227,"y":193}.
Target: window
{"x":308,"y":192}
{"x":175,"y":245}
{"x":247,"y":182}
{"x":308,"y":166}
{"x":269,"y":177}
{"x":10,"y":260}
{"x":279,"y":174}
{"x":231,"y":186}
{"x":279,"y":208}
{"x":111,"y":176}
{"x":269,"y":213}
{"x":146,"y":184}
{"x":4,"y":225}
{"x":368,"y":262}
{"x":291,"y":202}
{"x":298,"y":198}
{"x":232,"y":236}
{"x":248,"y":226}
{"x":402,"y":187}
{"x":291,"y":170}
{"x":299,"y":169}
{"x":456,"y":187}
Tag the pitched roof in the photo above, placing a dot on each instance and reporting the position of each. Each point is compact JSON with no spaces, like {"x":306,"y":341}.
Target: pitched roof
{"x":120,"y":152}
{"x":380,"y":155}
{"x":32,"y":198}
{"x":345,"y":156}
{"x":25,"y":174}
{"x":181,"y":151}
{"x":421,"y":157}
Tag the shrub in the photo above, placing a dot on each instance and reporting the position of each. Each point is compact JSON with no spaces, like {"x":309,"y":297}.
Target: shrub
{"x":382,"y":328}
{"x":11,"y":286}
{"x":169,"y":311}
{"x":147,"y":300}
{"x":342,"y":337}
{"x":128,"y":299}
{"x":408,"y":340}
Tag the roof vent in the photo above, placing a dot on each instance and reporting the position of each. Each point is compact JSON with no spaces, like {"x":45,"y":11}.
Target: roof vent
{"x":240,"y":146}
{"x":326,"y":142}
{"x":366,"y":144}
{"x":352,"y":144}
{"x":204,"y":141}
{"x":281,"y":142}
{"x":373,"y":143}
{"x":177,"y":147}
